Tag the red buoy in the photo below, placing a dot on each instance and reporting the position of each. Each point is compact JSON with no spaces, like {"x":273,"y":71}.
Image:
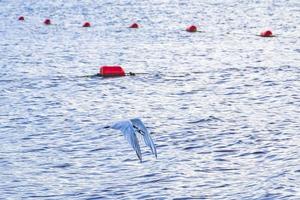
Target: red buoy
{"x":191,"y":28}
{"x":266,"y":33}
{"x":47,"y":22}
{"x":21,"y":18}
{"x":134,"y":25}
{"x":86,"y":24}
{"x":111,"y":71}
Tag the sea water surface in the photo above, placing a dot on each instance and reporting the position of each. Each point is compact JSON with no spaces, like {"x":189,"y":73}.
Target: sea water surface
{"x":223,"y":104}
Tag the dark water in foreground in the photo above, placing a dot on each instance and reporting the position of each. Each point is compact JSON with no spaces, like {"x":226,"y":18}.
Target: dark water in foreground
{"x":223,"y":104}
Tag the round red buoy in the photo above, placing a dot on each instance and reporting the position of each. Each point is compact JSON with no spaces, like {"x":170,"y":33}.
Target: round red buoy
{"x":267,"y":33}
{"x":47,"y":22}
{"x":111,"y":71}
{"x":134,"y":25}
{"x":86,"y":24}
{"x":191,"y":28}
{"x":21,"y":18}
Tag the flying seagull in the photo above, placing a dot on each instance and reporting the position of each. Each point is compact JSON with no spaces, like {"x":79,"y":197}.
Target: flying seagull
{"x":130,"y":129}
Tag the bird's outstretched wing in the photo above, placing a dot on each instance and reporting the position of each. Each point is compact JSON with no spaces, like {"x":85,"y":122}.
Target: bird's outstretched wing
{"x":137,"y":123}
{"x":127,"y":129}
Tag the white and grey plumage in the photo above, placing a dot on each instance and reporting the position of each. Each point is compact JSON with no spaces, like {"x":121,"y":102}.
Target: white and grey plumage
{"x":130,"y":129}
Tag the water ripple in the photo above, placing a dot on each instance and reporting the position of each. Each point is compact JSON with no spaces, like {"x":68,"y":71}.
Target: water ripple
{"x":222,"y":104}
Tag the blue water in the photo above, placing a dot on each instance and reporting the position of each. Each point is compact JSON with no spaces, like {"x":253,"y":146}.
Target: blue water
{"x":222,"y":104}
